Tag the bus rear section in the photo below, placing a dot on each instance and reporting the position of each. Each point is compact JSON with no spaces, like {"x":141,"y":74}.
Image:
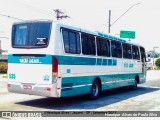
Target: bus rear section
{"x":33,"y":74}
{"x":30,"y":69}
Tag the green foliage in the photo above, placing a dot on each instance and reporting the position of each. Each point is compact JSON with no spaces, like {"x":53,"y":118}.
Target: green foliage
{"x":157,"y":63}
{"x":3,"y":67}
{"x":154,"y":54}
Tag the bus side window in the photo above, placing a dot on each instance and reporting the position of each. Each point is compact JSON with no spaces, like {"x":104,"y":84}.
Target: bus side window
{"x":116,"y":49}
{"x":127,"y":51}
{"x":88,"y":44}
{"x":71,"y":42}
{"x":103,"y":47}
{"x":119,"y":50}
{"x":135,"y":52}
{"x":143,"y":57}
{"x":113,"y":49}
{"x":66,"y":41}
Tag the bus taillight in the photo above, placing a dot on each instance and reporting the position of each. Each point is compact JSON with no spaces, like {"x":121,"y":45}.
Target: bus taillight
{"x":54,"y":65}
{"x":54,"y":69}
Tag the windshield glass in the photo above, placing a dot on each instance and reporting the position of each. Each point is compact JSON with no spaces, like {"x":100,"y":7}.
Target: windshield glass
{"x":31,"y":35}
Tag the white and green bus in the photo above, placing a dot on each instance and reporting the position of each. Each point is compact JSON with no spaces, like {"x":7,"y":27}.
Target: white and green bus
{"x":53,"y":59}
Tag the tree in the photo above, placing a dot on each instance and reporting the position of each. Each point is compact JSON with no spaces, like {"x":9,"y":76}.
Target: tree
{"x":154,"y":54}
{"x":157,"y":63}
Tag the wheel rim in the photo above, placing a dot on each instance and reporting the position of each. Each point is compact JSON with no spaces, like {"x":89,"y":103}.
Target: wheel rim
{"x":95,"y":89}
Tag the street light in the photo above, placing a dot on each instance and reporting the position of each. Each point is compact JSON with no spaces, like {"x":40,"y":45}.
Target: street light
{"x":154,"y":55}
{"x":109,"y":26}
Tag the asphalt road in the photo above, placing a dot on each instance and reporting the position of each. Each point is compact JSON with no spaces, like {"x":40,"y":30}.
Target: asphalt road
{"x":145,"y":98}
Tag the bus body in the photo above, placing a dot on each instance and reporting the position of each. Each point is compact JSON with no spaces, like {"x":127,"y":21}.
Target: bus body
{"x":58,"y":60}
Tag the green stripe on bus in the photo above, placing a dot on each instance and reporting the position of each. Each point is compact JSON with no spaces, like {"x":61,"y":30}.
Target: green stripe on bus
{"x":72,"y":86}
{"x":72,"y":60}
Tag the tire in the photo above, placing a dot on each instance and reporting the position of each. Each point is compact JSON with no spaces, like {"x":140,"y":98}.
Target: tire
{"x":134,"y":87}
{"x":96,"y":90}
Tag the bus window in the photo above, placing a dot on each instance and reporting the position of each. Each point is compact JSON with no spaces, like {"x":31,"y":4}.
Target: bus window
{"x":66,"y":41}
{"x":71,"y":42}
{"x":143,"y":57}
{"x":127,"y":51}
{"x":116,"y":49}
{"x":103,"y":48}
{"x":31,"y":35}
{"x":20,"y":35}
{"x":88,"y":44}
{"x":135,"y":52}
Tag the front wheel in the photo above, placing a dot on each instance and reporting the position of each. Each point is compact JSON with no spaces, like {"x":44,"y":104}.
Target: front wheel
{"x":96,"y":89}
{"x":134,"y":87}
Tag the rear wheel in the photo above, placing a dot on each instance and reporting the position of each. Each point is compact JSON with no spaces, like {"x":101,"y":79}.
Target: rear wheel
{"x":96,"y":89}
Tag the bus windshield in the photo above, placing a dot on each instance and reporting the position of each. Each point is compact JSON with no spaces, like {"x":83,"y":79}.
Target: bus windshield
{"x":31,"y":35}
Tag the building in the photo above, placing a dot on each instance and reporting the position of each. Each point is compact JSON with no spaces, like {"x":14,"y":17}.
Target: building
{"x":3,"y":58}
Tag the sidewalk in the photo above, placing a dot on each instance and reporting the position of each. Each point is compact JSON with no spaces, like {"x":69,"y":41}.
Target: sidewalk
{"x":3,"y":77}
{"x":3,"y":84}
{"x":153,"y":75}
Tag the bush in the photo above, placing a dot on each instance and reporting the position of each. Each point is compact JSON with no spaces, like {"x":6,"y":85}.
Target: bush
{"x":157,"y":63}
{"x":3,"y":67}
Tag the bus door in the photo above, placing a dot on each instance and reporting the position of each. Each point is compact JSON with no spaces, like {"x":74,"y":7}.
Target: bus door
{"x":143,"y":59}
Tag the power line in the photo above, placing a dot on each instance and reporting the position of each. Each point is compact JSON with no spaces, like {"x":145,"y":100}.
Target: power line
{"x":2,"y":32}
{"x":35,"y":8}
{"x":8,"y":16}
{"x":4,"y":37}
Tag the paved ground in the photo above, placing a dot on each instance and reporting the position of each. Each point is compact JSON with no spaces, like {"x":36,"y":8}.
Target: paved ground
{"x":145,"y":98}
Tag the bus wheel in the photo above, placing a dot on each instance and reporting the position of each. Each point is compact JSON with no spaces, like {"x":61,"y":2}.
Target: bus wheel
{"x":96,"y":89}
{"x":134,"y":87}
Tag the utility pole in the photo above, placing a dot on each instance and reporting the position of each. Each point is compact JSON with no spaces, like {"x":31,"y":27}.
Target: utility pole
{"x":109,"y":22}
{"x":58,"y":14}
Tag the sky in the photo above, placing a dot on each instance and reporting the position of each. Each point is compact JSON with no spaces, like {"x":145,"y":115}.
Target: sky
{"x":143,"y":18}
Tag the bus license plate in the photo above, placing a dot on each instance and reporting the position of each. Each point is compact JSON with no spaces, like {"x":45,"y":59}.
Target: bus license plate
{"x":28,"y":87}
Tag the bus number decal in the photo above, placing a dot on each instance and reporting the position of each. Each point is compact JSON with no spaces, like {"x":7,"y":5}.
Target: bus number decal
{"x":12,"y":76}
{"x":127,"y":65}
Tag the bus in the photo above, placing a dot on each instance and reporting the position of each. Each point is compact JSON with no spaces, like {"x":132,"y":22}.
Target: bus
{"x":54,"y":59}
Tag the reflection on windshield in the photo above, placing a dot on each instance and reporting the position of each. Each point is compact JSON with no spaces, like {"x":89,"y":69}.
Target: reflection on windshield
{"x":20,"y":36}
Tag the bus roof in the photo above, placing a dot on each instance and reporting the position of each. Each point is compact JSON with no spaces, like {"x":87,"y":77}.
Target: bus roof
{"x":33,"y":21}
{"x":77,"y":28}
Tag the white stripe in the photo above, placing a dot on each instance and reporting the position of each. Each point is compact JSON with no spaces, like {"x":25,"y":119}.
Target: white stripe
{"x":77,"y":86}
{"x":118,"y":81}
{"x":102,"y":83}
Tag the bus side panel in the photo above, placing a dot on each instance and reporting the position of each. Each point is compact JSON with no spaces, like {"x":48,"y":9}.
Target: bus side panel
{"x":72,"y":86}
{"x":79,"y":85}
{"x":78,"y":76}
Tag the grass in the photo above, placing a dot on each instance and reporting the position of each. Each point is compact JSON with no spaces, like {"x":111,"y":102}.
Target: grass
{"x":5,"y":76}
{"x":156,"y":68}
